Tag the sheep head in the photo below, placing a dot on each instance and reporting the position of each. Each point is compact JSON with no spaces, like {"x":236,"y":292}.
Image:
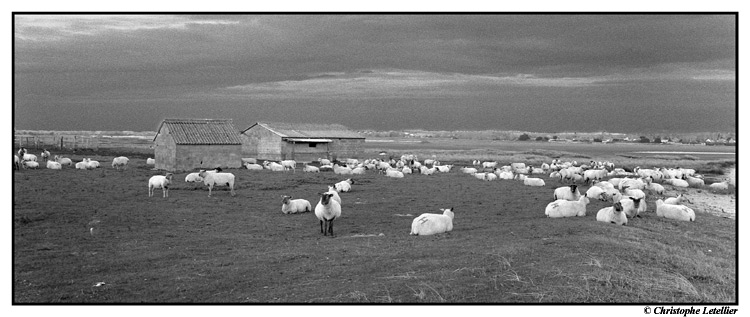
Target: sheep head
{"x":325,"y":198}
{"x":573,"y":188}
{"x":618,"y":206}
{"x":636,"y":201}
{"x":285,"y":199}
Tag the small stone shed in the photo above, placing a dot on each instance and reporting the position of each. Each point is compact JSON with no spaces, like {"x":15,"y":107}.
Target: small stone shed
{"x":302,"y":142}
{"x":189,"y":144}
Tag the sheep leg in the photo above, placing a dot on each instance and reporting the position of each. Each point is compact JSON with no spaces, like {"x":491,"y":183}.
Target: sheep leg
{"x":321,"y":228}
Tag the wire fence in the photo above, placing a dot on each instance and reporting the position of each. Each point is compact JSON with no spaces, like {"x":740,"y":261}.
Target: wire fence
{"x":80,"y":142}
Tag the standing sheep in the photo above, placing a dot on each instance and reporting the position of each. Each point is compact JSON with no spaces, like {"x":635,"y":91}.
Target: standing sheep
{"x":45,"y":155}
{"x":429,"y":224}
{"x":612,"y":214}
{"x":293,"y":206}
{"x":16,"y":162}
{"x":335,"y":193}
{"x":289,"y":164}
{"x":327,"y":210}
{"x":159,"y":181}
{"x":120,"y":161}
{"x":677,"y":212}
{"x":217,"y":179}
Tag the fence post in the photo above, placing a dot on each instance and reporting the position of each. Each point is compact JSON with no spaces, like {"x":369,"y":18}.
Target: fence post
{"x":61,"y":143}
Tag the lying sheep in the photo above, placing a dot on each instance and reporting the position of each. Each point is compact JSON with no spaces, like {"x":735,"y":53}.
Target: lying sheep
{"x":443,"y":168}
{"x":595,"y":192}
{"x":567,"y":193}
{"x":193,"y":178}
{"x":406,"y":170}
{"x":720,"y":185}
{"x":480,"y":175}
{"x":54,"y":165}
{"x":341,"y":170}
{"x":429,"y":223}
{"x":63,"y":160}
{"x":91,"y":163}
{"x":309,"y":168}
{"x":565,"y":208}
{"x":695,"y":182}
{"x":344,"y":186}
{"x":394,"y":173}
{"x":249,"y":160}
{"x":632,"y":206}
{"x":532,"y":181}
{"x":468,"y":170}
{"x":676,"y":200}
{"x":677,"y":183}
{"x":253,"y":166}
{"x":83,"y":165}
{"x":120,"y":161}
{"x":217,"y":179}
{"x":490,"y":176}
{"x":612,"y":214}
{"x":656,"y":188}
{"x":327,"y":210}
{"x":293,"y":206}
{"x":677,"y":212}
{"x":273,"y":166}
{"x":150,"y":161}
{"x":505,"y":175}
{"x":30,"y":164}
{"x":159,"y":181}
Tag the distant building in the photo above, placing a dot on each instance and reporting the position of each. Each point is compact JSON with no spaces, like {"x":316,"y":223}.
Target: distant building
{"x":302,"y":142}
{"x":188,"y":144}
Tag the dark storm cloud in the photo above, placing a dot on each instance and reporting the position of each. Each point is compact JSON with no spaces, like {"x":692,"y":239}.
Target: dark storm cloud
{"x":178,"y":65}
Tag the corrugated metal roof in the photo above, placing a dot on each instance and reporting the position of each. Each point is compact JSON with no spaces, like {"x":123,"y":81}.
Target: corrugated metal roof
{"x":202,"y":131}
{"x":310,"y":140}
{"x":309,"y":130}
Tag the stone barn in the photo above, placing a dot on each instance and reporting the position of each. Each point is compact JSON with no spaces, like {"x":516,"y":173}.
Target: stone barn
{"x":189,"y":144}
{"x":302,"y":142}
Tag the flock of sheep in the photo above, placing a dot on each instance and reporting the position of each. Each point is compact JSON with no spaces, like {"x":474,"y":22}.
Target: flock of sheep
{"x":625,"y":190}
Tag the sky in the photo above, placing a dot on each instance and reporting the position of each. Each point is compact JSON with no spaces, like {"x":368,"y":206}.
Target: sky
{"x":530,"y":72}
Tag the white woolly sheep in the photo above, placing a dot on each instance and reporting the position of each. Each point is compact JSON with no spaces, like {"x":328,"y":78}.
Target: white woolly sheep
{"x":92,"y":163}
{"x":594,"y":175}
{"x":332,"y":190}
{"x":253,"y":166}
{"x":429,"y":223}
{"x":424,"y":170}
{"x":677,"y":183}
{"x":83,"y":165}
{"x":28,"y":157}
{"x":443,"y":168}
{"x":694,"y":181}
{"x":289,"y":165}
{"x":341,"y":170}
{"x":596,"y":192}
{"x":505,"y":175}
{"x":293,"y":206}
{"x":406,"y":170}
{"x":480,"y":175}
{"x":677,"y":212}
{"x":159,"y":181}
{"x":468,"y":170}
{"x":16,"y":162}
{"x":676,"y":200}
{"x":309,"y":168}
{"x":489,"y":164}
{"x":490,"y":176}
{"x":565,"y":208}
{"x":632,"y":183}
{"x":568,"y":193}
{"x":359,"y":170}
{"x":638,"y":205}
{"x":150,"y":161}
{"x":532,"y":181}
{"x":720,"y":185}
{"x":30,"y":164}
{"x":394,"y":173}
{"x":327,"y":210}
{"x":324,"y":161}
{"x":63,"y":160}
{"x":54,"y":165}
{"x":193,"y":178}
{"x":273,"y":166}
{"x":217,"y":179}
{"x":120,"y":161}
{"x":612,"y":214}
{"x":249,"y":160}
{"x":344,"y":186}
{"x":656,"y":188}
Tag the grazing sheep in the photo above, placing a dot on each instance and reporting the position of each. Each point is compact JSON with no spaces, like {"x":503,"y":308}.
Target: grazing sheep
{"x":45,"y":155}
{"x":63,"y":160}
{"x":293,"y":206}
{"x":594,"y":175}
{"x":217,"y":179}
{"x":489,"y":164}
{"x":327,"y":210}
{"x":568,"y":193}
{"x":332,"y":190}
{"x":309,"y":168}
{"x":289,"y":165}
{"x":344,"y":186}
{"x":720,"y":186}
{"x":677,"y":212}
{"x":150,"y":161}
{"x":54,"y":165}
{"x":159,"y":181}
{"x":429,"y":223}
{"x":120,"y":161}
{"x":612,"y":214}
{"x":565,"y":208}
{"x":253,"y":166}
{"x":16,"y":162}
{"x":532,"y":181}
{"x":193,"y":178}
{"x":656,"y":188}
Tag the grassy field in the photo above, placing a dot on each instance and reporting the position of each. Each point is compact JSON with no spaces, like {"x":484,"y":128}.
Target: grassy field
{"x":96,"y":237}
